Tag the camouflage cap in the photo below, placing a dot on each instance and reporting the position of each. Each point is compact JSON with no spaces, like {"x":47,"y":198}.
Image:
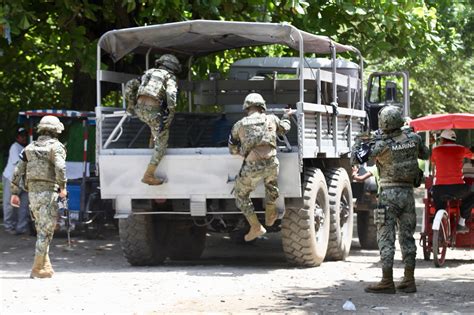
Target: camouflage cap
{"x":170,"y":62}
{"x":50,"y":123}
{"x":390,"y":118}
{"x":254,"y":99}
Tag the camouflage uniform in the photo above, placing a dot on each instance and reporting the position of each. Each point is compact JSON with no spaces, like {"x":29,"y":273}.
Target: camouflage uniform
{"x":156,"y":106}
{"x":42,"y":171}
{"x":396,"y":154}
{"x":44,"y":164}
{"x":254,"y":138}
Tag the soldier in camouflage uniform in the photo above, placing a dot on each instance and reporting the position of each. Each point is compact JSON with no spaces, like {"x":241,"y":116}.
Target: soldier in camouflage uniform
{"x":395,"y":152}
{"x":254,"y":138}
{"x":155,"y":105}
{"x":42,"y":172}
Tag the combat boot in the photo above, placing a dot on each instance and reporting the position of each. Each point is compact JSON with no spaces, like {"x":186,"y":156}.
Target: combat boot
{"x":407,"y":284}
{"x":386,"y":285}
{"x":47,"y":265}
{"x":271,"y":214}
{"x":256,"y":229}
{"x":38,"y":270}
{"x":149,"y":176}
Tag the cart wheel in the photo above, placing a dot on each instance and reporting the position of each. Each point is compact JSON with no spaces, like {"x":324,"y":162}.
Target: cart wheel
{"x":440,"y":241}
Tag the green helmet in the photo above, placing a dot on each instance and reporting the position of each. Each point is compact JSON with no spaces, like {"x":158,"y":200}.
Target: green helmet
{"x":170,"y":62}
{"x":390,"y":118}
{"x":254,"y":99}
{"x":50,"y":123}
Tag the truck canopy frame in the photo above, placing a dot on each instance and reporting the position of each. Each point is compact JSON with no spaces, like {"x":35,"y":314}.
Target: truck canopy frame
{"x":200,"y":37}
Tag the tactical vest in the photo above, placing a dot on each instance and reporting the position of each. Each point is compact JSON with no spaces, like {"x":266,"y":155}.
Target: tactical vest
{"x":153,"y":83}
{"x":258,"y":130}
{"x":398,"y":163}
{"x":40,"y":167}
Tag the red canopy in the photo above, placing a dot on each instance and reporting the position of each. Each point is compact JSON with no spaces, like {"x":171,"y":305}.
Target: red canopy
{"x":443,"y":121}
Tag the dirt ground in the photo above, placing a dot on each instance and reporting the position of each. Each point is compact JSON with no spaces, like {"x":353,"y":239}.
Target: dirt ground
{"x":93,"y":278}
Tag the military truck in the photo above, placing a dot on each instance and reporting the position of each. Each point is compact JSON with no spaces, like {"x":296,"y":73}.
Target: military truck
{"x":171,"y":221}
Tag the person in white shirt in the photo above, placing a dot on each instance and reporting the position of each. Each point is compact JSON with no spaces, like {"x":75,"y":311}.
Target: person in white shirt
{"x":15,"y":220}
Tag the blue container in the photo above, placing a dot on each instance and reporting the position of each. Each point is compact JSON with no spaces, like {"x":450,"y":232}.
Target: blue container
{"x":74,"y":191}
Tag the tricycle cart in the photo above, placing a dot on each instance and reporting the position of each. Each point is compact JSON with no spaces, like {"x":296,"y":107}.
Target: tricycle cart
{"x":439,"y":227}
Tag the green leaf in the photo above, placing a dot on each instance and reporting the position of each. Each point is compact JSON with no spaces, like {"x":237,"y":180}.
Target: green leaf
{"x":419,"y":12}
{"x":131,"y":6}
{"x":360,"y":11}
{"x":89,"y":14}
{"x":24,"y":23}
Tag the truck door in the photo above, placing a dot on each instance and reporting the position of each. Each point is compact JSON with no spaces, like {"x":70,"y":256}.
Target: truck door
{"x":386,"y":88}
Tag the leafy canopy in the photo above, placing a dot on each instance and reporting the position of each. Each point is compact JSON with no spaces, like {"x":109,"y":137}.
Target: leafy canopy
{"x":50,"y":62}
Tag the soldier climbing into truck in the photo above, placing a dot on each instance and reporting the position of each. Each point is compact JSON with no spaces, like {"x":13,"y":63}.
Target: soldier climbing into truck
{"x":254,"y":138}
{"x":155,"y":105}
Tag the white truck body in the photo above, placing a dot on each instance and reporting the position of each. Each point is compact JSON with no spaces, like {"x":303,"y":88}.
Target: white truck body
{"x":328,"y":97}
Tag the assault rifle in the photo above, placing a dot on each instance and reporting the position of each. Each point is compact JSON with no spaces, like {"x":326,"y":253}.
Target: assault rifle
{"x":364,"y":143}
{"x":66,"y":215}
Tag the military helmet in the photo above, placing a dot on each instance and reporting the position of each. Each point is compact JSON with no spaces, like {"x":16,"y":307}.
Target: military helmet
{"x":170,"y":62}
{"x":448,"y":134}
{"x":50,"y":123}
{"x":390,"y":118}
{"x":254,"y":99}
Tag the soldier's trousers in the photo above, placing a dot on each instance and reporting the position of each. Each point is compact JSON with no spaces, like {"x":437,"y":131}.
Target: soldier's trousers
{"x":400,"y":208}
{"x":248,"y":178}
{"x":149,"y":113}
{"x":44,"y":209}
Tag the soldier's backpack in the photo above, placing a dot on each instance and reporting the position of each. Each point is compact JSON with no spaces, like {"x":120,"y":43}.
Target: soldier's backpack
{"x":154,"y":83}
{"x":257,"y":132}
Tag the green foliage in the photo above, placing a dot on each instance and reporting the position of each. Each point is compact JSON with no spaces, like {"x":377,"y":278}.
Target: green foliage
{"x":51,"y":60}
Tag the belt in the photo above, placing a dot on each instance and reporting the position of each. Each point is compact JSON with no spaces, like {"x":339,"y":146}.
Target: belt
{"x":390,"y":185}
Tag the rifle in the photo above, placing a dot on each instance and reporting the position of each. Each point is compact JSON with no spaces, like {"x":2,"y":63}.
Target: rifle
{"x":66,"y":215}
{"x":164,"y":115}
{"x":363,"y":146}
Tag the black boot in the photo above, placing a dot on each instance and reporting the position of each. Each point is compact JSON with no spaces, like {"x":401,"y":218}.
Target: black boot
{"x":386,"y":285}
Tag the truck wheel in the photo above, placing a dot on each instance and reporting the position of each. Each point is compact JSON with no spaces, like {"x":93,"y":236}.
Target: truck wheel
{"x":187,"y":241}
{"x":141,"y":244}
{"x":367,"y":230}
{"x":341,"y":210}
{"x":305,"y":231}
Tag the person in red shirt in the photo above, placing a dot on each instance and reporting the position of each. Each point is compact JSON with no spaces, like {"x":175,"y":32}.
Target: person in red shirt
{"x":448,"y":181}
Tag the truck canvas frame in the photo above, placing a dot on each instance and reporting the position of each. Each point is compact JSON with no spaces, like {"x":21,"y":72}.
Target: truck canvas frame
{"x":171,"y":220}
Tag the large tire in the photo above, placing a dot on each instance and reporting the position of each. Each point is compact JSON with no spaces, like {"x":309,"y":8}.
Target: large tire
{"x":141,"y":244}
{"x":305,"y":231}
{"x":187,"y":241}
{"x":341,"y":209}
{"x":367,"y":230}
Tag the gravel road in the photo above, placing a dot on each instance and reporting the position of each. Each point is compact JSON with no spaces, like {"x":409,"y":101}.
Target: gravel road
{"x":93,"y":278}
